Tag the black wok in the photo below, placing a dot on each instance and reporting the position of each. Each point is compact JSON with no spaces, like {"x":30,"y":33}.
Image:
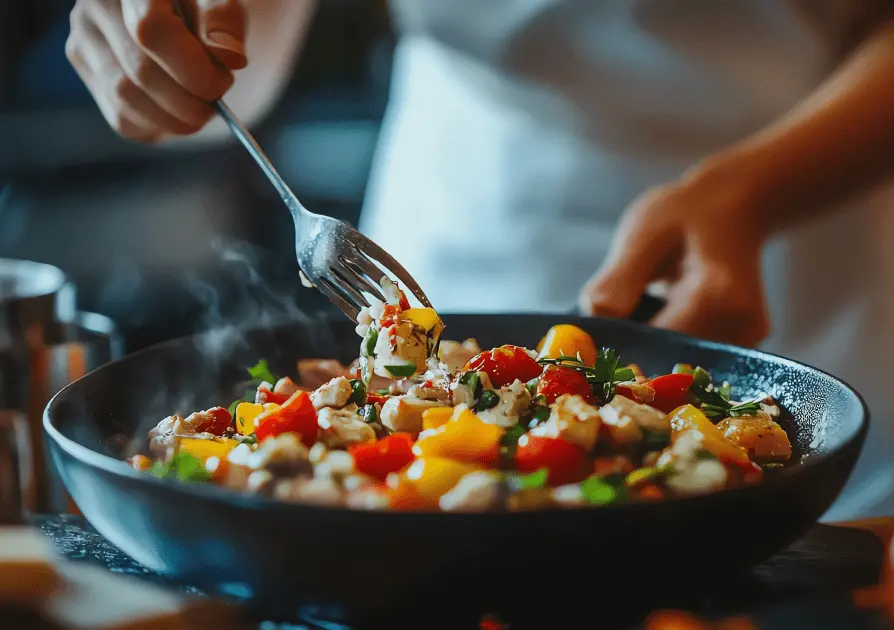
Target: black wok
{"x":366,"y":567}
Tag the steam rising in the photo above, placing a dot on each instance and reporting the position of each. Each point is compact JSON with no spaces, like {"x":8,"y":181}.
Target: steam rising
{"x":225,"y":320}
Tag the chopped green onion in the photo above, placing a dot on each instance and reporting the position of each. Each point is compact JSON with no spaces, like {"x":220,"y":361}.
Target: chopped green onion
{"x":472,"y":380}
{"x":701,"y":377}
{"x":598,"y":492}
{"x":540,"y":414}
{"x":682,"y":368}
{"x":401,"y":371}
{"x":250,"y":439}
{"x":358,"y":392}
{"x":512,"y":434}
{"x":370,"y":414}
{"x":529,"y":481}
{"x":383,"y":392}
{"x":369,"y":345}
{"x":532,"y":385}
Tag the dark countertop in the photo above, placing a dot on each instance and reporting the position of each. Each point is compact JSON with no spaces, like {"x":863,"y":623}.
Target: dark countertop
{"x":809,"y":585}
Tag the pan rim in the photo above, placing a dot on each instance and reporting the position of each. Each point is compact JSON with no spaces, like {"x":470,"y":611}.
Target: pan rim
{"x":233,"y":498}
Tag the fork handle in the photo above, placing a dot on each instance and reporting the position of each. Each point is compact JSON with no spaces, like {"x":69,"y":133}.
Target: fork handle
{"x":254,"y":149}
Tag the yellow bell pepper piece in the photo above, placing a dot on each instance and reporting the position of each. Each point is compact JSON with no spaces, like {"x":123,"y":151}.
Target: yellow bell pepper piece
{"x":436,"y":417}
{"x":464,"y":437}
{"x":569,"y":341}
{"x":431,"y":477}
{"x":690,"y":418}
{"x":247,"y":414}
{"x":425,"y":318}
{"x":203,"y":449}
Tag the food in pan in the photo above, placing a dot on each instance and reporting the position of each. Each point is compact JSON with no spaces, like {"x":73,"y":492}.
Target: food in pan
{"x":419,"y":423}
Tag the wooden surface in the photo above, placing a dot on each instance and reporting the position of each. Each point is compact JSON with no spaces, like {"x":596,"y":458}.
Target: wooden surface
{"x":833,"y":578}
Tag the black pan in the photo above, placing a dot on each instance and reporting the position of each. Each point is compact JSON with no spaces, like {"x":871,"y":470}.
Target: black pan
{"x":361,"y":567}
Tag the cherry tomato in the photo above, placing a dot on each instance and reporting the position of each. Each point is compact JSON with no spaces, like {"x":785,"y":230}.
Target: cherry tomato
{"x":219,"y":420}
{"x":505,"y":365}
{"x":557,"y":381}
{"x":296,"y":415}
{"x":671,"y":391}
{"x":388,"y":455}
{"x":266,"y":395}
{"x":566,"y":462}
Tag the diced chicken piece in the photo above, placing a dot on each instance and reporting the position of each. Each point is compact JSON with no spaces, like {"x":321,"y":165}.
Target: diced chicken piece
{"x":692,"y":471}
{"x":287,"y":386}
{"x":410,"y":348}
{"x":282,"y":454}
{"x":455,"y":355}
{"x":638,"y":375}
{"x":341,"y":427}
{"x":620,"y":429}
{"x":514,"y":401}
{"x":431,"y":391}
{"x":646,"y":418}
{"x":703,"y":475}
{"x":573,"y":420}
{"x":335,"y":393}
{"x":404,"y":413}
{"x":760,"y":435}
{"x":356,"y":481}
{"x":643,"y":392}
{"x":313,"y":490}
{"x":164,"y":438}
{"x":258,"y":480}
{"x":312,"y":373}
{"x":475,"y":492}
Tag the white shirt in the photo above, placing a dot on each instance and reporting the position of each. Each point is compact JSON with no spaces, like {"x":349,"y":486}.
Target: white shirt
{"x":519,"y":130}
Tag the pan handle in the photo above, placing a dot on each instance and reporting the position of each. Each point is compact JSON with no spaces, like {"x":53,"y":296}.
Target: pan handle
{"x":648,"y":307}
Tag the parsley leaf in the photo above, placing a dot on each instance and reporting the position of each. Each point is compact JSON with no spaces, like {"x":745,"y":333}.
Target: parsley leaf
{"x":261,"y":372}
{"x":182,"y":466}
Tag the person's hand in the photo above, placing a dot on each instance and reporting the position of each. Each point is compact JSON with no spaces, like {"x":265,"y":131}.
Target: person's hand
{"x":148,"y":73}
{"x":701,"y":240}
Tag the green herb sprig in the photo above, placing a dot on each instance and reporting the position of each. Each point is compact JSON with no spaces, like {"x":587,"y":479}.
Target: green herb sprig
{"x":259,"y":373}
{"x":715,"y":400}
{"x":603,"y":375}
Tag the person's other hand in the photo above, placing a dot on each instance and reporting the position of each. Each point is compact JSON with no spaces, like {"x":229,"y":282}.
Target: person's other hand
{"x":148,"y":73}
{"x":699,"y":239}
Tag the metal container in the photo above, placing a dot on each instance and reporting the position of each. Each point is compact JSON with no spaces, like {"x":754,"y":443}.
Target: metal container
{"x":30,"y":376}
{"x":33,"y":297}
{"x":15,"y":467}
{"x":45,"y":344}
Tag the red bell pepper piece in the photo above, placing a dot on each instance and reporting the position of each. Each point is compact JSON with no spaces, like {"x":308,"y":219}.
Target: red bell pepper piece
{"x":383,"y":457}
{"x":296,"y":415}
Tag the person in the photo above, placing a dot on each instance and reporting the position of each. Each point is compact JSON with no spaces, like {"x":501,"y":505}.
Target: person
{"x":735,"y":155}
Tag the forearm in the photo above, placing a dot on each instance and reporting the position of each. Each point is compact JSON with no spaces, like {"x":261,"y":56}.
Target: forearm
{"x":836,"y":143}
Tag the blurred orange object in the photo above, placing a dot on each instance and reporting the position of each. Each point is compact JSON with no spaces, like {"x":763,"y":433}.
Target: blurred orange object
{"x":680,"y":620}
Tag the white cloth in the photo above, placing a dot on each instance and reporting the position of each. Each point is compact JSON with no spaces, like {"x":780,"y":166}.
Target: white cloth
{"x":518,"y":131}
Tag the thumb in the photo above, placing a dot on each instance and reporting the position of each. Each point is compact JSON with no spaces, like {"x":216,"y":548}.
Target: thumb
{"x":221,"y":26}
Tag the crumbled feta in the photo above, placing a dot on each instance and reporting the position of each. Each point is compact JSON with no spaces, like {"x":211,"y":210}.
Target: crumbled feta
{"x":514,"y":401}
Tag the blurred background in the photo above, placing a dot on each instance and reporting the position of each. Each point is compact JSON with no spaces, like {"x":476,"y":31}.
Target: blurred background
{"x":119,"y":218}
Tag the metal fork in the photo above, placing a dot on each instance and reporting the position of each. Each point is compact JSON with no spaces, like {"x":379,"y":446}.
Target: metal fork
{"x":336,"y":259}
